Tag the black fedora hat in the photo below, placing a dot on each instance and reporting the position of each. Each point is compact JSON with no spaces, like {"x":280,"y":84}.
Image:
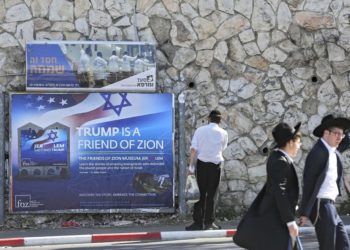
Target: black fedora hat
{"x":330,"y":121}
{"x":283,"y":133}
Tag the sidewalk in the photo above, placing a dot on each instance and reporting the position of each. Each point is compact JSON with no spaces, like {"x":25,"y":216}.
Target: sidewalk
{"x":37,"y":237}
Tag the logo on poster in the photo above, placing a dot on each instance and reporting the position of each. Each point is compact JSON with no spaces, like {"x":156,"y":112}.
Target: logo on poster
{"x":22,"y":201}
{"x":145,"y":81}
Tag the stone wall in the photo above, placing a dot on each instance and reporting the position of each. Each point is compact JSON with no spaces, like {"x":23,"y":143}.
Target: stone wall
{"x":258,"y":61}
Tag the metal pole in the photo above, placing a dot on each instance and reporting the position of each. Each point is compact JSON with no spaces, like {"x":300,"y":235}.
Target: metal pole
{"x":2,"y":159}
{"x":182,"y":155}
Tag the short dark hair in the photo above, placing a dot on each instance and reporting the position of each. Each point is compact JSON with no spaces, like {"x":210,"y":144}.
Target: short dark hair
{"x":215,"y":116}
{"x":215,"y":119}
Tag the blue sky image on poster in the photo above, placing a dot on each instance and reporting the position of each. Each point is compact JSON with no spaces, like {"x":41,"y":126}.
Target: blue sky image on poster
{"x":91,"y":151}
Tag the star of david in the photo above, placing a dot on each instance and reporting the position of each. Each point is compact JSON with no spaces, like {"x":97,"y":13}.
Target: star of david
{"x":117,"y":108}
{"x":52,"y":135}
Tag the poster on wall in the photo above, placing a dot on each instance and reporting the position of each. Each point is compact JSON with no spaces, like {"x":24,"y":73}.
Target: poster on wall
{"x":89,"y":66}
{"x":88,"y":152}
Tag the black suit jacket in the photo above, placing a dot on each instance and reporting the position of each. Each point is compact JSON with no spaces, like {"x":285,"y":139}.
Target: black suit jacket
{"x":265,"y":224}
{"x":316,"y":166}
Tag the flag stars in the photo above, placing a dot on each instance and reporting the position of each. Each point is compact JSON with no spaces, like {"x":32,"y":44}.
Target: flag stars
{"x":40,"y":107}
{"x":63,"y":102}
{"x":39,"y":98}
{"x":29,"y":105}
{"x":51,"y":100}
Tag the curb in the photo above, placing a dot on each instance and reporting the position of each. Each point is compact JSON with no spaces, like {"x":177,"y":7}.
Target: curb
{"x":98,"y":238}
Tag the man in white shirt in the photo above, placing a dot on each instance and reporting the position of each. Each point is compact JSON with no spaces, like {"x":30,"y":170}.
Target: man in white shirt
{"x":125,"y":65}
{"x":321,"y":185}
{"x":84,"y":68}
{"x":113,"y":67}
{"x":141,"y":65}
{"x":100,"y":67}
{"x":207,"y":145}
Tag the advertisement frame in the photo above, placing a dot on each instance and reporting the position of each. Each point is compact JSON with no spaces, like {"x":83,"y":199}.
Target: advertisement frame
{"x":88,"y":66}
{"x":170,"y":209}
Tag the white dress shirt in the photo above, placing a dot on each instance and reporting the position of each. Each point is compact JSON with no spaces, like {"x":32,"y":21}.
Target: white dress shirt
{"x":209,"y":141}
{"x":329,"y":187}
{"x":100,"y":65}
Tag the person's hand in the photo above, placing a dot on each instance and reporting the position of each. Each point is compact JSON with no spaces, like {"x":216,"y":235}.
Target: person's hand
{"x":191,"y":169}
{"x":302,"y":220}
{"x":293,"y":230}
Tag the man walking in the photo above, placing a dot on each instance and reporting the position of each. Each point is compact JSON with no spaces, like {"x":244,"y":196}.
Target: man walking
{"x":321,"y":185}
{"x":207,"y":145}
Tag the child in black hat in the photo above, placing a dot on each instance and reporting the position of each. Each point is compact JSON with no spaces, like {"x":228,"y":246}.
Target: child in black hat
{"x":270,"y":221}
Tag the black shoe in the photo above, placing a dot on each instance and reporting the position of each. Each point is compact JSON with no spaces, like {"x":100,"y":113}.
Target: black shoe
{"x":212,"y":226}
{"x":194,"y":227}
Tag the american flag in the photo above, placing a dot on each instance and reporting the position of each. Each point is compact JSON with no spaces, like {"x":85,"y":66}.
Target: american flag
{"x":72,"y":110}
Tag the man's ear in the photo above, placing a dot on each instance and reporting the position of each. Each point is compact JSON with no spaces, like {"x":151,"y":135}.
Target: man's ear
{"x":290,"y":142}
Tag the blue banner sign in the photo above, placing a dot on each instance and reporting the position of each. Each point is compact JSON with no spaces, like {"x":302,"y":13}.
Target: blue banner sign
{"x":91,"y":152}
{"x":85,"y":66}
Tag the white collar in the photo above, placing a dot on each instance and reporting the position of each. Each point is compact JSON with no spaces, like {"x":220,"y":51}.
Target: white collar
{"x":329,"y":148}
{"x":286,"y":154}
{"x":213,"y":124}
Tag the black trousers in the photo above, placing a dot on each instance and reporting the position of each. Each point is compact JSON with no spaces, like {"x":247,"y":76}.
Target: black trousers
{"x":330,"y":230}
{"x":83,"y":79}
{"x":208,"y":178}
{"x":112,"y":77}
{"x":99,"y":83}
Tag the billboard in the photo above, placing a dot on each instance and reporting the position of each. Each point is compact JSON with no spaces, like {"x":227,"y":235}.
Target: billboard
{"x":87,"y":66}
{"x":89,"y":152}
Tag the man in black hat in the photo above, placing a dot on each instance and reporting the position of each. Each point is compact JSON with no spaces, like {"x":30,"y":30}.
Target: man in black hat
{"x":321,"y":185}
{"x":270,"y":221}
{"x":207,"y":145}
